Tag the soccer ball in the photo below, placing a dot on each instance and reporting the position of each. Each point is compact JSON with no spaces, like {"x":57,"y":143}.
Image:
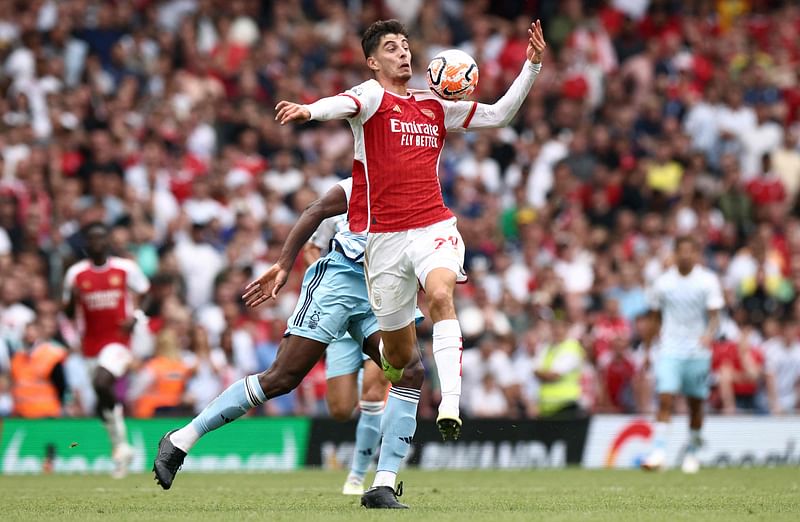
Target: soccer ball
{"x":453,"y":74}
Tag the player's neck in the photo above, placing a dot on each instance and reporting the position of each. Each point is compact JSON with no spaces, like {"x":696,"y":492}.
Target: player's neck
{"x":684,"y":271}
{"x":99,"y":261}
{"x":398,"y":87}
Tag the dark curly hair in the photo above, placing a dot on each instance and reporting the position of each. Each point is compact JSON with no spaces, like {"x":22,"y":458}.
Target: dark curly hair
{"x":372,"y":36}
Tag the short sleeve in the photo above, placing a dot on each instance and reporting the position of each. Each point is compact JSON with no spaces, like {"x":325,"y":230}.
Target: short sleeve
{"x":137,"y":281}
{"x":714,"y":299}
{"x":368,"y":97}
{"x":324,"y":233}
{"x":347,"y":186}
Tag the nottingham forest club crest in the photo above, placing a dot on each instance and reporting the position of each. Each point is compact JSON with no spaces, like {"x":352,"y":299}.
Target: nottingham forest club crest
{"x":313,"y":321}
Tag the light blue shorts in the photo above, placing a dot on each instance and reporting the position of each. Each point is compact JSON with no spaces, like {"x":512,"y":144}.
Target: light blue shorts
{"x":333,"y":302}
{"x":683,"y":376}
{"x":345,"y":356}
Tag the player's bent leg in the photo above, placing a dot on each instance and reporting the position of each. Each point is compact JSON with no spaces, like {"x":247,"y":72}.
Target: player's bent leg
{"x":657,"y":458}
{"x":696,"y":388}
{"x":447,"y":348}
{"x":398,"y":347}
{"x":398,"y":428}
{"x":113,"y":363}
{"x":296,"y":356}
{"x":400,"y":421}
{"x":368,"y":431}
{"x":691,"y":464}
{"x":342,"y":396}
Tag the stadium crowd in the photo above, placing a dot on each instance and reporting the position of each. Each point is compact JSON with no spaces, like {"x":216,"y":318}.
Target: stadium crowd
{"x":650,"y":120}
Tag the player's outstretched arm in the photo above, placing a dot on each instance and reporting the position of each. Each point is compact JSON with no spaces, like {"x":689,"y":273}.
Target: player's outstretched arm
{"x":288,"y":111}
{"x":500,"y":113}
{"x":267,"y":286}
{"x":331,"y":108}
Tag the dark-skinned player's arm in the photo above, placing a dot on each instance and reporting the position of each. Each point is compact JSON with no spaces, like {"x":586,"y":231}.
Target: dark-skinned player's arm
{"x":267,"y":286}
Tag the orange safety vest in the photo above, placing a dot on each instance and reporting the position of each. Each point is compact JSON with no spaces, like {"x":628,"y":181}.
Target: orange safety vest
{"x":166,"y":389}
{"x":33,"y":392}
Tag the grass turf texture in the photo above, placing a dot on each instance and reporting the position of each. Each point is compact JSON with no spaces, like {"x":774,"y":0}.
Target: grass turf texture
{"x":723,"y":494}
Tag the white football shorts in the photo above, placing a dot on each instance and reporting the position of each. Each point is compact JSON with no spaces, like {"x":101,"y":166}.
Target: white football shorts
{"x":397,"y":264}
{"x":114,"y":357}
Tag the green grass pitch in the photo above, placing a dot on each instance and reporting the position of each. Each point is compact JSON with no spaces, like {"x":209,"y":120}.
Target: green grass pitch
{"x":573,"y":494}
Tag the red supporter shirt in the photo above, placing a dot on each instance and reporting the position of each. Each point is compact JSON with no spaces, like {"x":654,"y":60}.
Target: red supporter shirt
{"x":727,"y":353}
{"x":104,"y":300}
{"x":617,"y":373}
{"x":605,"y":330}
{"x":766,"y":190}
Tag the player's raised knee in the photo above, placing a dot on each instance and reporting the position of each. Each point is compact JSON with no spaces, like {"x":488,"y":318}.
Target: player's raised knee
{"x":440,"y":302}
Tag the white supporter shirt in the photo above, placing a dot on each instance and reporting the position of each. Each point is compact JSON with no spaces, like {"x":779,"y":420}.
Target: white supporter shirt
{"x":199,"y":264}
{"x":684,"y":303}
{"x":783,"y":362}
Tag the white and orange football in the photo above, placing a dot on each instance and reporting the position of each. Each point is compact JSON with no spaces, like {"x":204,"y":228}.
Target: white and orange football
{"x":453,"y":74}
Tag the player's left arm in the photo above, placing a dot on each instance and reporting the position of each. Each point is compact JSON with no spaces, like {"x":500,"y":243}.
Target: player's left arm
{"x":270,"y":282}
{"x":470,"y":116}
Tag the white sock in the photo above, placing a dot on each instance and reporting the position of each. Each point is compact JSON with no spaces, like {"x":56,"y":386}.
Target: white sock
{"x":185,"y":438}
{"x":114,"y":422}
{"x":447,"y":347}
{"x":384,"y":478}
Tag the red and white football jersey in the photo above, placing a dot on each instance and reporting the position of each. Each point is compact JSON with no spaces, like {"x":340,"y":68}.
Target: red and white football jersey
{"x":398,"y":142}
{"x":104,"y":300}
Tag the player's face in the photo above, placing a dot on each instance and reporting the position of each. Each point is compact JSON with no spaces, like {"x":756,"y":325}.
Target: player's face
{"x":393,"y":57}
{"x":96,"y":242}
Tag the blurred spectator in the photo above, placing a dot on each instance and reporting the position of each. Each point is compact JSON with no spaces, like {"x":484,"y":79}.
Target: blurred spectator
{"x":198,"y":260}
{"x":487,"y":399}
{"x":6,"y":397}
{"x":785,"y":161}
{"x":161,"y":384}
{"x":629,"y":293}
{"x":211,"y":371}
{"x":558,"y":368}
{"x":738,"y":367}
{"x":617,"y":369}
{"x":38,"y":383}
{"x":782,"y":349}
